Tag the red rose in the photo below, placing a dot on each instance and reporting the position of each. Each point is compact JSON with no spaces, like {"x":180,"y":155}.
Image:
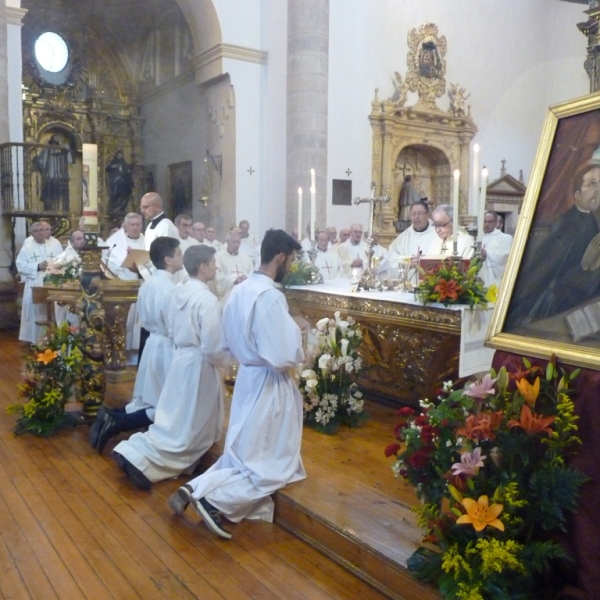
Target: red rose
{"x":391,"y":449}
{"x":421,"y":420}
{"x":406,"y":411}
{"x":419,"y":459}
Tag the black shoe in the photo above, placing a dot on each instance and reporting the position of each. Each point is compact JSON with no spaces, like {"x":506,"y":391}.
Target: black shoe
{"x":96,"y":426}
{"x":135,"y":476}
{"x":180,"y":500}
{"x":108,"y":428}
{"x":211,"y":517}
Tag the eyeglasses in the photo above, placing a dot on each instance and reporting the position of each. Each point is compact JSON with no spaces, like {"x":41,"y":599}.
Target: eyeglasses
{"x":143,"y":206}
{"x":440,"y":225}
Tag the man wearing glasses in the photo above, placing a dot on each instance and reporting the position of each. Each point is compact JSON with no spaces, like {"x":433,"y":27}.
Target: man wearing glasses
{"x":151,"y":206}
{"x":442,"y":246}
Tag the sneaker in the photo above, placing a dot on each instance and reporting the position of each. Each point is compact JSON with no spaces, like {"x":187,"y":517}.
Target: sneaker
{"x":211,"y":517}
{"x":180,"y":500}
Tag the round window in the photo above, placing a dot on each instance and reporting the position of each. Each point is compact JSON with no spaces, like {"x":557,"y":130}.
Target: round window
{"x":51,"y":52}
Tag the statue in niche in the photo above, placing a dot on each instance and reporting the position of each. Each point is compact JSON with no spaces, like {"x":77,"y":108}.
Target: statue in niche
{"x":430,"y":64}
{"x":53,"y":165}
{"x":119,"y":179}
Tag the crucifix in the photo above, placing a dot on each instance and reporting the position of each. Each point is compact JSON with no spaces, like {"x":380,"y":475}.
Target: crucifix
{"x":369,"y":279}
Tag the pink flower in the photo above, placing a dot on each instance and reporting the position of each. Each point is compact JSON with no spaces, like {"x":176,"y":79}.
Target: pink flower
{"x":470,"y":463}
{"x":480,"y":389}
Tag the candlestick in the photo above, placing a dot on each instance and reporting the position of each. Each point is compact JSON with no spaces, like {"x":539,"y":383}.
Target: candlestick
{"x":90,"y":185}
{"x":455,"y":207}
{"x":300,"y":232}
{"x":313,"y":204}
{"x":474,"y":195}
{"x":481,"y":207}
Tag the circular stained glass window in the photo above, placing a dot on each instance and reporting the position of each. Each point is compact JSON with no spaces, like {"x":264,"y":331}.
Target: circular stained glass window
{"x":51,"y":52}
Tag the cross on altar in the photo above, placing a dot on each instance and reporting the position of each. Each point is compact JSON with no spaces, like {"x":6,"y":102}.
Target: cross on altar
{"x":372,"y":200}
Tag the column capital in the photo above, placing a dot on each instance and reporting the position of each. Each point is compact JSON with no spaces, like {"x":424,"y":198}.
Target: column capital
{"x":14,"y":15}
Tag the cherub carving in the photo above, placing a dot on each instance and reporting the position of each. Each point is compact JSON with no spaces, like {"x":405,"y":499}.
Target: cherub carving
{"x":400,"y":90}
{"x":458,"y":97}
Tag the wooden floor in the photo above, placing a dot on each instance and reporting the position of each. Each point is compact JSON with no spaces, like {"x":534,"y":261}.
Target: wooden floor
{"x":72,"y":527}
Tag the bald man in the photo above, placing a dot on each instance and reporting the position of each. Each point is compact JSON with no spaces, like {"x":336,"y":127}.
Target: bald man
{"x":151,"y":206}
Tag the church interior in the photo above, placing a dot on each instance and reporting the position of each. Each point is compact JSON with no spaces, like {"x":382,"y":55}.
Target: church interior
{"x":223,"y":108}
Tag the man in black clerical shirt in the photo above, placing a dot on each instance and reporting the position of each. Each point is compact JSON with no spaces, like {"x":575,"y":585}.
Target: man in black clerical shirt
{"x":552,"y":279}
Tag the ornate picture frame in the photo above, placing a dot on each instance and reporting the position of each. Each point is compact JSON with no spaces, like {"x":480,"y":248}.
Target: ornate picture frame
{"x":179,"y":186}
{"x":551,"y":288}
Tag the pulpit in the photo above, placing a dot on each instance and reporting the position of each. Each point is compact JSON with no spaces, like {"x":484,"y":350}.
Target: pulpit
{"x":409,"y":349}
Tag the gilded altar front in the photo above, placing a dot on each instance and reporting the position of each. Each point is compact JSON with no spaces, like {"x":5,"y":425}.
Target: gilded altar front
{"x":409,"y":349}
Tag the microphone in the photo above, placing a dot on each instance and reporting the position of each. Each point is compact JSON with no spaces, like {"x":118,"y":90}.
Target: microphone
{"x":105,"y":268}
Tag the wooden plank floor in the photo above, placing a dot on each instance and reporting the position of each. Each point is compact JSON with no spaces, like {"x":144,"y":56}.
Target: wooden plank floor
{"x":72,"y":527}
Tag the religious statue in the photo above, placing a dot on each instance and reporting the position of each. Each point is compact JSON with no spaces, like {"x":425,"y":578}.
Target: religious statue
{"x":408,"y":195}
{"x":53,"y":164}
{"x":119,"y":181}
{"x":458,"y":106}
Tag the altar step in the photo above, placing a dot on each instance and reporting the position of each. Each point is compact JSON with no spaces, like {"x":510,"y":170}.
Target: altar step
{"x":352,"y":509}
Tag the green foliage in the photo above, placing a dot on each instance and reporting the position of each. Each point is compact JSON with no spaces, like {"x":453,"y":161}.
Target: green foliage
{"x":301,"y":273}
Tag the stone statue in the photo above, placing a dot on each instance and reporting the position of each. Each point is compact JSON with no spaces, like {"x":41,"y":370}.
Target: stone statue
{"x":119,"y":181}
{"x":53,"y":164}
{"x":458,"y":106}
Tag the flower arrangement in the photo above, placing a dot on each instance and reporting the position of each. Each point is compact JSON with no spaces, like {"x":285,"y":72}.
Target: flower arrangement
{"x":327,"y":383}
{"x":52,"y":370}
{"x":488,"y":463}
{"x":63,"y":269}
{"x":301,"y":273}
{"x":448,"y":284}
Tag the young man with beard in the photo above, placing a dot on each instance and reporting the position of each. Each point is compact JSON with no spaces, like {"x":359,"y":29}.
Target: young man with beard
{"x":262,"y":448}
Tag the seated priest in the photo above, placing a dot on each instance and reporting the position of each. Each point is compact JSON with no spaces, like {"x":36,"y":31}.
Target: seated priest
{"x":442,"y":247}
{"x":184,"y":227}
{"x":154,"y":299}
{"x":189,"y":413}
{"x":211,"y":239}
{"x":74,"y":245}
{"x":495,"y":247}
{"x":352,"y":252}
{"x":129,"y":237}
{"x":54,"y":246}
{"x":233,"y":266}
{"x":326,"y":260}
{"x":32,"y":263}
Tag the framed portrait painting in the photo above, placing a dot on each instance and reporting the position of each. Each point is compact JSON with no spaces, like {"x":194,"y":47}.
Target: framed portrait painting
{"x":549,"y":301}
{"x":179,"y":182}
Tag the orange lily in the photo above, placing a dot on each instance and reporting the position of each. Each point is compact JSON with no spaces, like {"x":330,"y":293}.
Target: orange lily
{"x":529,"y":392}
{"x":480,"y":514}
{"x":47,"y":356}
{"x":447,"y":289}
{"x":532,"y":424}
{"x":482,"y":426}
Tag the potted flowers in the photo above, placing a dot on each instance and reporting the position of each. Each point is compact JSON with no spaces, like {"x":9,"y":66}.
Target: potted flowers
{"x":488,"y":463}
{"x":327,"y":382}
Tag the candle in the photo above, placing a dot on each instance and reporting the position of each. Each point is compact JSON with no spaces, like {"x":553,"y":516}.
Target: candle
{"x":90,"y":185}
{"x":300,"y":214}
{"x":474,"y":195}
{"x":481,"y":207}
{"x":313,"y":204}
{"x":455,"y":207}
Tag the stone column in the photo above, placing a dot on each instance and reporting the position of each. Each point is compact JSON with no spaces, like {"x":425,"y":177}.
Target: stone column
{"x":307,"y":102}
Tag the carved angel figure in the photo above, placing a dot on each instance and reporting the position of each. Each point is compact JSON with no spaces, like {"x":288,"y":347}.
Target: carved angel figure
{"x":400,"y":90}
{"x":458,"y":96}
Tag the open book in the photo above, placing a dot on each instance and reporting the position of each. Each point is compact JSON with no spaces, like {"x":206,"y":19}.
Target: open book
{"x":585,"y":321}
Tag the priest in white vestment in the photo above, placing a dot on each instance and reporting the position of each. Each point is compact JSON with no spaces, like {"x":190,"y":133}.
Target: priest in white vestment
{"x":184,"y":232}
{"x":211,"y":239}
{"x":249,"y":244}
{"x":443,"y":246}
{"x":129,"y":237}
{"x":74,"y":245}
{"x":233,"y":266}
{"x":198,"y":232}
{"x":151,"y":206}
{"x":262,"y":447}
{"x":495,"y":247}
{"x":326,"y":260}
{"x":32,"y":262}
{"x":153,"y":303}
{"x":352,"y":252}
{"x":189,"y":414}
{"x":53,"y":245}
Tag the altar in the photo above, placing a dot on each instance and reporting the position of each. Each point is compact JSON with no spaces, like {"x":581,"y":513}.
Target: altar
{"x":409,"y":349}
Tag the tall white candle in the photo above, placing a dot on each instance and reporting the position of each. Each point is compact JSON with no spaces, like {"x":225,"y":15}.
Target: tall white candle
{"x":481,"y":207}
{"x":300,"y":232}
{"x":313,"y":204}
{"x":455,"y":207}
{"x":474,"y":195}
{"x":90,"y":191}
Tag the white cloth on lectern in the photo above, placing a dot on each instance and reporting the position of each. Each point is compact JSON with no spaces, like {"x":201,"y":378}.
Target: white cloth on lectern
{"x":497,"y":247}
{"x":28,"y":259}
{"x":189,"y":414}
{"x":262,"y":447}
{"x":154,"y":300}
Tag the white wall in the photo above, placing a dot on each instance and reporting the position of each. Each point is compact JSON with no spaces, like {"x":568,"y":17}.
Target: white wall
{"x":515,"y":57}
